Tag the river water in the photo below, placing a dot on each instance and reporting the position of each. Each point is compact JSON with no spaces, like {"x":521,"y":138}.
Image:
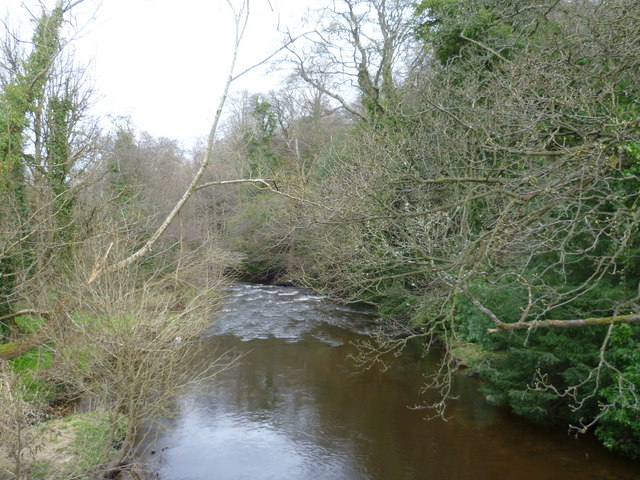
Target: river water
{"x":295,"y":407}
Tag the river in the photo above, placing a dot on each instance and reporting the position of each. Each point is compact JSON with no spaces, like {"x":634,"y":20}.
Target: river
{"x":295,"y":407}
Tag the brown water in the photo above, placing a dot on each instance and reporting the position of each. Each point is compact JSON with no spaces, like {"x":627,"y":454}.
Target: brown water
{"x":297,"y":408}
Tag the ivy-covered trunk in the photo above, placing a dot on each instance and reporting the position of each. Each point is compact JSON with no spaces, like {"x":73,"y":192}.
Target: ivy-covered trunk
{"x":21,"y":101}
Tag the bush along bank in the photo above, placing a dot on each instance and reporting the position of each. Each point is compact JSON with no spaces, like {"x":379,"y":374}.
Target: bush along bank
{"x":124,"y":355}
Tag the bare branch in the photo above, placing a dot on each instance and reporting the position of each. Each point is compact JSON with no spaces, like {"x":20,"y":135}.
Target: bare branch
{"x":582,"y":322}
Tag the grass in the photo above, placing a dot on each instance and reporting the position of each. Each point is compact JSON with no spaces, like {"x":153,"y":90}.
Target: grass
{"x":29,"y":324}
{"x":31,"y":365}
{"x":74,"y":447}
{"x":90,"y":442}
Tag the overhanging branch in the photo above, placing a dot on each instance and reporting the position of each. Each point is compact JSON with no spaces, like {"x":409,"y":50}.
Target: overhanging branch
{"x":501,"y":326}
{"x":581,"y":322}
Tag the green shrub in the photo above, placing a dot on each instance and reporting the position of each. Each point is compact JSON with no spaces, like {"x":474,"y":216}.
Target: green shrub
{"x":555,"y":376}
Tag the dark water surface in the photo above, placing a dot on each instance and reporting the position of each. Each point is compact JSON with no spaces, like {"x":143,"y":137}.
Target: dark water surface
{"x":296,"y":408}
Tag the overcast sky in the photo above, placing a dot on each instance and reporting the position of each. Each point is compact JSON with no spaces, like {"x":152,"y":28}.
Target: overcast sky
{"x":164,"y":62}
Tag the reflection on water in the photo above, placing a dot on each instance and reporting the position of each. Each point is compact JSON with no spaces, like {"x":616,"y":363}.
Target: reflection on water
{"x":296,"y":408}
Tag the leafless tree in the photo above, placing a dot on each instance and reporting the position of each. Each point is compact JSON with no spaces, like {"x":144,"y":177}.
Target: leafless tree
{"x":357,"y":47}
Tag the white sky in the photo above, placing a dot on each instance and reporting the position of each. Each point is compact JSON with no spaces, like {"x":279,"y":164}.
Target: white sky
{"x":164,"y":62}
